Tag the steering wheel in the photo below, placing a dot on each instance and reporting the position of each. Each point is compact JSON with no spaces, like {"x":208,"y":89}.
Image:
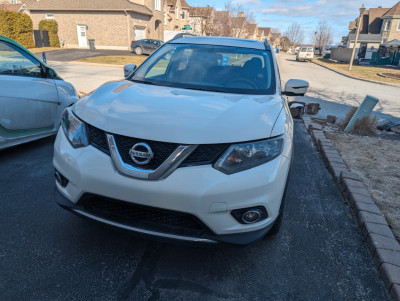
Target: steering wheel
{"x":241,"y":80}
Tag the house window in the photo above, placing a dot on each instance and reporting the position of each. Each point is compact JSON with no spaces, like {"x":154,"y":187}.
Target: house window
{"x":387,"y":25}
{"x":165,"y":19}
{"x":157,"y":5}
{"x":14,"y":1}
{"x":176,"y":13}
{"x":49,"y":16}
{"x":398,"y":26}
{"x":183,"y":15}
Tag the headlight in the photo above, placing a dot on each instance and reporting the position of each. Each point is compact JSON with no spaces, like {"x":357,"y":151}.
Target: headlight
{"x":74,"y":129}
{"x":244,"y":156}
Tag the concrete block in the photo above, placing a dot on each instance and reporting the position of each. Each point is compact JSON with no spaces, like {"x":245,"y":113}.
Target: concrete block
{"x":376,"y":241}
{"x":350,"y":175}
{"x":387,"y":256}
{"x":367,"y":217}
{"x":379,"y":229}
{"x":390,"y":275}
{"x":395,"y":292}
{"x":372,"y":208}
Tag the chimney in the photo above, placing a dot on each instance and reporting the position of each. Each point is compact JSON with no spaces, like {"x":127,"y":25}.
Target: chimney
{"x":241,"y":14}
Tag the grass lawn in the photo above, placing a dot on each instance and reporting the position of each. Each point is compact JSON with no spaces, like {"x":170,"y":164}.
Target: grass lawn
{"x":377,"y":162}
{"x":115,"y":60}
{"x":367,"y":72}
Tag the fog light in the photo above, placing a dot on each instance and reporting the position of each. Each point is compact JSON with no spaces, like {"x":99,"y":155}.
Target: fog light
{"x":63,"y":181}
{"x":251,"y":216}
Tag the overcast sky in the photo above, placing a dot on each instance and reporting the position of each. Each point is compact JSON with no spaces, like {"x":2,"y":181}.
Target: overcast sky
{"x":281,"y":13}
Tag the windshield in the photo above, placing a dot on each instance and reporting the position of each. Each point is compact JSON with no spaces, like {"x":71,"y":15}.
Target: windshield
{"x":210,"y":68}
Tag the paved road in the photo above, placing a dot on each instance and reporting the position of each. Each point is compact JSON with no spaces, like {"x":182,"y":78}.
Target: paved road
{"x":337,"y":93}
{"x":87,"y":78}
{"x":47,"y":253}
{"x":67,"y":55}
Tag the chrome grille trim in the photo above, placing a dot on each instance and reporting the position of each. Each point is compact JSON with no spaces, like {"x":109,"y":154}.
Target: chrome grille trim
{"x":163,"y":171}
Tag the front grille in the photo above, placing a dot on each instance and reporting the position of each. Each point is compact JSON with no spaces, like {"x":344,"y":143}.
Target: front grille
{"x":161,"y":150}
{"x":98,"y":139}
{"x":144,"y":217}
{"x":203,"y":154}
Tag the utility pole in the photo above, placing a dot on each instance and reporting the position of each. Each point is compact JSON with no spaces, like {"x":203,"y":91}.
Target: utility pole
{"x":362,"y":9}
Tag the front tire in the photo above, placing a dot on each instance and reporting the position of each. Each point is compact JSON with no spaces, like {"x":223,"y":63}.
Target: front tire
{"x":138,"y":51}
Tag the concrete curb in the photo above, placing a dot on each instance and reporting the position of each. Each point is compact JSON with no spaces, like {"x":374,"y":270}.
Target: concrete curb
{"x":359,"y":78}
{"x":378,"y":237}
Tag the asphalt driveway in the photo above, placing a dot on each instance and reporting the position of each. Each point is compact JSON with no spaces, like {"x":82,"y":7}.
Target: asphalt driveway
{"x":47,"y":253}
{"x":68,"y":55}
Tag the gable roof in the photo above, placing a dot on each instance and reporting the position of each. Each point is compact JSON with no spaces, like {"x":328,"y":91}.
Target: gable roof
{"x":172,"y":3}
{"x":11,"y":7}
{"x":266,"y":30}
{"x":375,"y":21}
{"x":252,"y":27}
{"x":201,"y":11}
{"x":91,"y":5}
{"x":394,"y":11}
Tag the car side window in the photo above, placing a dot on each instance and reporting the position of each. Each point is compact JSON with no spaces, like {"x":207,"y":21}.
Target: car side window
{"x":14,"y":61}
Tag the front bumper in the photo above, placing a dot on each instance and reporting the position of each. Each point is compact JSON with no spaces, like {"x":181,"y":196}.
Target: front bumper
{"x":201,"y":191}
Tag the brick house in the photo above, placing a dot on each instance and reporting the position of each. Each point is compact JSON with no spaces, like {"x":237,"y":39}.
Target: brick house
{"x":264,"y":33}
{"x":201,"y":20}
{"x":176,"y":14}
{"x":112,"y":24}
{"x":379,"y":27}
{"x":252,"y":31}
{"x":391,"y":24}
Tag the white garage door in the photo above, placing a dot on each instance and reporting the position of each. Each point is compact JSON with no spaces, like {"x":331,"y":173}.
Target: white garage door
{"x":139,"y":33}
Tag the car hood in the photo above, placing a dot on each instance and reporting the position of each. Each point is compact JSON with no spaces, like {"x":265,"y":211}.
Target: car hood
{"x":179,"y":115}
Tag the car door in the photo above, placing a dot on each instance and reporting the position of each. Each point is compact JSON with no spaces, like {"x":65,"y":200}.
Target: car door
{"x":28,"y":100}
{"x":146,"y":46}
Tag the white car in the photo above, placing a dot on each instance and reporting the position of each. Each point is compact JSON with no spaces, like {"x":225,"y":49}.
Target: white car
{"x":195,"y":145}
{"x":32,"y":96}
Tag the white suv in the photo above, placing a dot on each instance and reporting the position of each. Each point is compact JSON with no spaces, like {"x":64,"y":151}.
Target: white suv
{"x":196,"y":144}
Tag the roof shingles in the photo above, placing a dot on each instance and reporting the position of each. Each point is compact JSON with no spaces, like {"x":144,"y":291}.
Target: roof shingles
{"x":92,"y":5}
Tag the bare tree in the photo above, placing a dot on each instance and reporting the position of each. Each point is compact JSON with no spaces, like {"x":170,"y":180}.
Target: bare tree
{"x":285,"y":43}
{"x":324,"y":35}
{"x":295,"y":33}
{"x":234,"y":21}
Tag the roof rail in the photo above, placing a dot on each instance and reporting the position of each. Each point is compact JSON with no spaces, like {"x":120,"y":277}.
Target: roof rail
{"x":181,"y":35}
{"x":267,"y":45}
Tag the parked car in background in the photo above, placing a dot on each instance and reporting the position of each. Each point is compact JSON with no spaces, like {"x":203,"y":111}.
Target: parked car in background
{"x":305,"y":54}
{"x":146,"y":46}
{"x":32,"y":96}
{"x":195,"y":145}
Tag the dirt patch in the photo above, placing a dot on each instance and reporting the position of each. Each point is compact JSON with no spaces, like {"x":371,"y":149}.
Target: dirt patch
{"x":377,"y":161}
{"x":390,"y":75}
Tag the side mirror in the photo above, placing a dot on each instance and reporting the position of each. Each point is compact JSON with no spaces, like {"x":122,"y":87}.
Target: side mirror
{"x":128,"y":69}
{"x":296,"y":87}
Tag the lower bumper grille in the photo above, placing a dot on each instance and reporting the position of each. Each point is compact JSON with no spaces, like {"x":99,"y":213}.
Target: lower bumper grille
{"x":144,"y":217}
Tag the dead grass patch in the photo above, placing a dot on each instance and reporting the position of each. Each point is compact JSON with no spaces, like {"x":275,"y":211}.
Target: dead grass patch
{"x":377,"y":161}
{"x":115,"y":59}
{"x":365,"y":126}
{"x":366,"y":72}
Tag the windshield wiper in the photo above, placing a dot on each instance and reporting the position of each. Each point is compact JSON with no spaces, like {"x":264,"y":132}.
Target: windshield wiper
{"x":205,"y":89}
{"x":143,"y":82}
